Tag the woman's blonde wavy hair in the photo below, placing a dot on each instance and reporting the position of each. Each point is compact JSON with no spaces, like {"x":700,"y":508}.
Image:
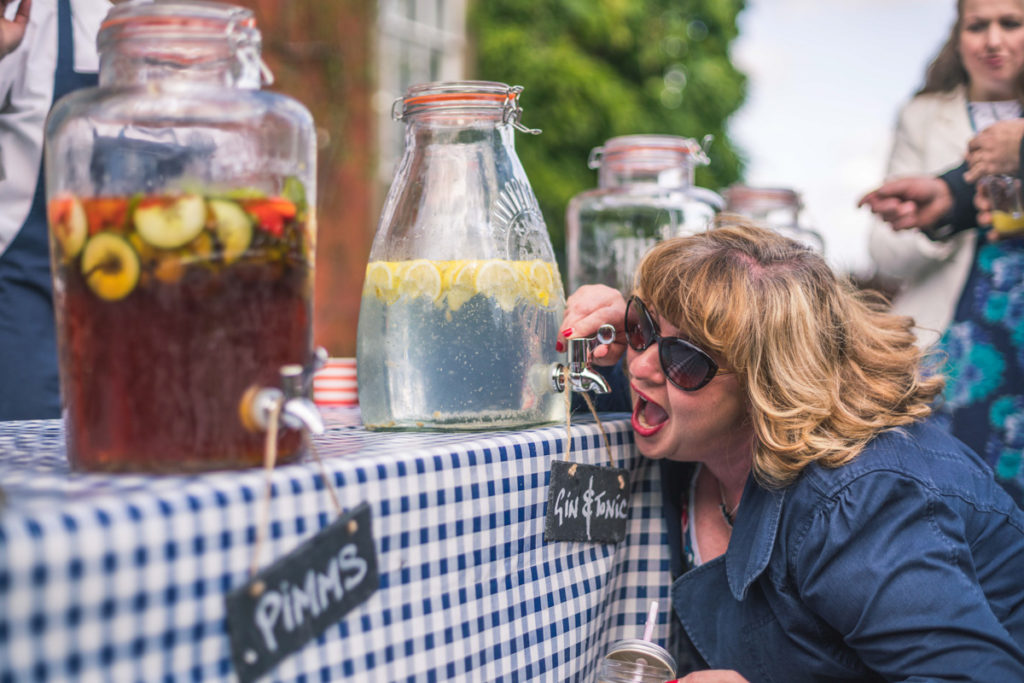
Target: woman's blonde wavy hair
{"x":824,"y":366}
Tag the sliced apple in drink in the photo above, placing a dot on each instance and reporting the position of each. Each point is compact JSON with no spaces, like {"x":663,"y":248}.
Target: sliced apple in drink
{"x":110,"y":266}
{"x":233,"y":227}
{"x":69,"y":224}
{"x":170,"y":223}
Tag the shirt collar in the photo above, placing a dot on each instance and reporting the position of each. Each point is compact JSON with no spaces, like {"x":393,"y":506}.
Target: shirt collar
{"x":753,"y":536}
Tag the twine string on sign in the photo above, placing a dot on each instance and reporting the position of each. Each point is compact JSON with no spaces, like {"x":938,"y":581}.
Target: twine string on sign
{"x":567,"y":379}
{"x":593,"y":411}
{"x":269,"y":459}
{"x":600,"y":425}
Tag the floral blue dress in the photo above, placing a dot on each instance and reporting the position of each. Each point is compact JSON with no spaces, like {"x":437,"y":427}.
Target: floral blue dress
{"x":984,"y":399}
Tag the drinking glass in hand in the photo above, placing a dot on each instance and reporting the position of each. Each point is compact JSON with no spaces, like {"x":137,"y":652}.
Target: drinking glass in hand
{"x":1004,"y":193}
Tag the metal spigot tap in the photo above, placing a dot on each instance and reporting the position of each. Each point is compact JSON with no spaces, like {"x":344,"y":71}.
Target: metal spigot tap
{"x":295,"y":395}
{"x":582,"y":377}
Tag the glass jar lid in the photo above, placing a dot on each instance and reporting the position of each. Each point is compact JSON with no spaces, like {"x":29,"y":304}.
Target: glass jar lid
{"x":650,"y":151}
{"x":649,"y":655}
{"x":761,"y":200}
{"x":145,"y":19}
{"x":184,"y":34}
{"x":479,"y":97}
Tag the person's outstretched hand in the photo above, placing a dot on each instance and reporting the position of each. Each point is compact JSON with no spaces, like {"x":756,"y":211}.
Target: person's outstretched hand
{"x":995,"y":150}
{"x":12,"y":31}
{"x":587,"y":309}
{"x":905,"y":203}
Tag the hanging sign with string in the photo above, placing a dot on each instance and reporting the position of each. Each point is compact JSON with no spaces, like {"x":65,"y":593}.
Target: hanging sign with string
{"x":586,"y":503}
{"x":298,"y":597}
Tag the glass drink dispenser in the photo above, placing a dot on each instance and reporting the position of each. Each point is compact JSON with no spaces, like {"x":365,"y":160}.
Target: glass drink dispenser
{"x":777,"y":208}
{"x":181,"y":206}
{"x":645,"y":194}
{"x":462,"y":297}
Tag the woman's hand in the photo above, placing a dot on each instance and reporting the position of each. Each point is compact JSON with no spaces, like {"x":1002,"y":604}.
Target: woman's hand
{"x":995,"y":150}
{"x":587,"y":309}
{"x":13,"y":31}
{"x":914,"y":202}
{"x":983,"y":205}
{"x":712,"y":676}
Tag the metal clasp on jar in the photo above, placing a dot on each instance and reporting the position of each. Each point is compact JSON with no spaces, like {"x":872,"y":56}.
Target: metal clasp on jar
{"x":513,"y":112}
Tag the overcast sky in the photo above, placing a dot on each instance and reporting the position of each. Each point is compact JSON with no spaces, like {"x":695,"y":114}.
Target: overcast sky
{"x":826,"y":78}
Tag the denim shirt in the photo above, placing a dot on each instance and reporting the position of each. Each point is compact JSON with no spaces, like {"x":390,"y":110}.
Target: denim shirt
{"x":905,"y":564}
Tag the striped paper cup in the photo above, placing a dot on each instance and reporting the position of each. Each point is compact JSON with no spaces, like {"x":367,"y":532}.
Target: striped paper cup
{"x":335,"y":383}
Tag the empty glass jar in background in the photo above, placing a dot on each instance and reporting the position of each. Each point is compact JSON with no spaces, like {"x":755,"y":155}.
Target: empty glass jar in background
{"x":645,"y":194}
{"x":462,"y":298}
{"x":773,"y":207}
{"x":181,"y":205}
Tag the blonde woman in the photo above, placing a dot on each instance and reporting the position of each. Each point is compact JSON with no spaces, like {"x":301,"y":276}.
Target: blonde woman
{"x":821,"y":527}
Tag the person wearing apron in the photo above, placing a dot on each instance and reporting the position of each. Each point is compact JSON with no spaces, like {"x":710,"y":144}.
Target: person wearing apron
{"x":29,"y":385}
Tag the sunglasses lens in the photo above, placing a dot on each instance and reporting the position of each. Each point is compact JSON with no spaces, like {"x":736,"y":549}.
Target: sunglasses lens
{"x":639,"y":330}
{"x":685,"y":365}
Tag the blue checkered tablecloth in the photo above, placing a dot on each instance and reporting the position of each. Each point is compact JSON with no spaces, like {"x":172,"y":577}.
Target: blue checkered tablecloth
{"x":115,"y":577}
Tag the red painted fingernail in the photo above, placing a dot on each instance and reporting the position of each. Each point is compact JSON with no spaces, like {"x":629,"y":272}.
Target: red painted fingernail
{"x":567,"y":332}
{"x":559,"y":346}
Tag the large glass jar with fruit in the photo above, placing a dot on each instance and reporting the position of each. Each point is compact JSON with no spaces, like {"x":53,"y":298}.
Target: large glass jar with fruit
{"x":181,"y":202}
{"x":462,"y":298}
{"x":645,"y":193}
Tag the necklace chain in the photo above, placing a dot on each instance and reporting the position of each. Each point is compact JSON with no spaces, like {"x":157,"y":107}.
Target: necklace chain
{"x":728,"y":515}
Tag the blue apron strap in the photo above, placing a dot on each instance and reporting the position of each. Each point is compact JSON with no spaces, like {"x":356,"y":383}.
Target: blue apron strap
{"x":29,"y":387}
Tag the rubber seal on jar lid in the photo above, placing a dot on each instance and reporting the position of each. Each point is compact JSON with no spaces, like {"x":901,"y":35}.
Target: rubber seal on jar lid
{"x":696,"y":152}
{"x":463,"y":95}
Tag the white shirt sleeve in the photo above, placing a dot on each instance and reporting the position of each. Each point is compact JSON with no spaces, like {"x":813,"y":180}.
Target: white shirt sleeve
{"x":26,"y":94}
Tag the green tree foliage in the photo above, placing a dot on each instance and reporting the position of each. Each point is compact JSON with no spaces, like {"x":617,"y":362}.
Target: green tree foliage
{"x":595,"y":69}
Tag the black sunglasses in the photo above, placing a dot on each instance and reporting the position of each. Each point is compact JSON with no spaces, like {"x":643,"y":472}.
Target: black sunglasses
{"x":685,"y":365}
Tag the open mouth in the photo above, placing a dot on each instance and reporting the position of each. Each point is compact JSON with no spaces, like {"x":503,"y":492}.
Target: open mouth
{"x":648,"y":417}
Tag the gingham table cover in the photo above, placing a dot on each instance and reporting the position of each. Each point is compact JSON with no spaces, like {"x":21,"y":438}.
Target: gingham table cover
{"x":123,"y":577}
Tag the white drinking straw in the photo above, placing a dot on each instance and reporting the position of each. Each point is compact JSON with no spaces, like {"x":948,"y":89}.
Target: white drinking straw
{"x":652,"y":618}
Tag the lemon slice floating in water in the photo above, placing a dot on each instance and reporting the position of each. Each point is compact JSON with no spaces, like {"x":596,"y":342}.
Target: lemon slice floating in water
{"x":380,"y":282}
{"x":460,"y":283}
{"x":501,"y":281}
{"x":420,"y":278}
{"x":543,"y":281}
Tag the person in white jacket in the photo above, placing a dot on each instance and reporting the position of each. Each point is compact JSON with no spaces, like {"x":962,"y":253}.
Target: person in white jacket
{"x":961,"y":281}
{"x":975,"y":80}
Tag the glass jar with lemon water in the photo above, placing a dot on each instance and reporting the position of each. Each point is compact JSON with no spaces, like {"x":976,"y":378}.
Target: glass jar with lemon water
{"x":462,"y":297}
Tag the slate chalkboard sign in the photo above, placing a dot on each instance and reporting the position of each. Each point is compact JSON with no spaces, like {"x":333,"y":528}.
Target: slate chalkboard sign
{"x":298,"y":597}
{"x":587,"y":503}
